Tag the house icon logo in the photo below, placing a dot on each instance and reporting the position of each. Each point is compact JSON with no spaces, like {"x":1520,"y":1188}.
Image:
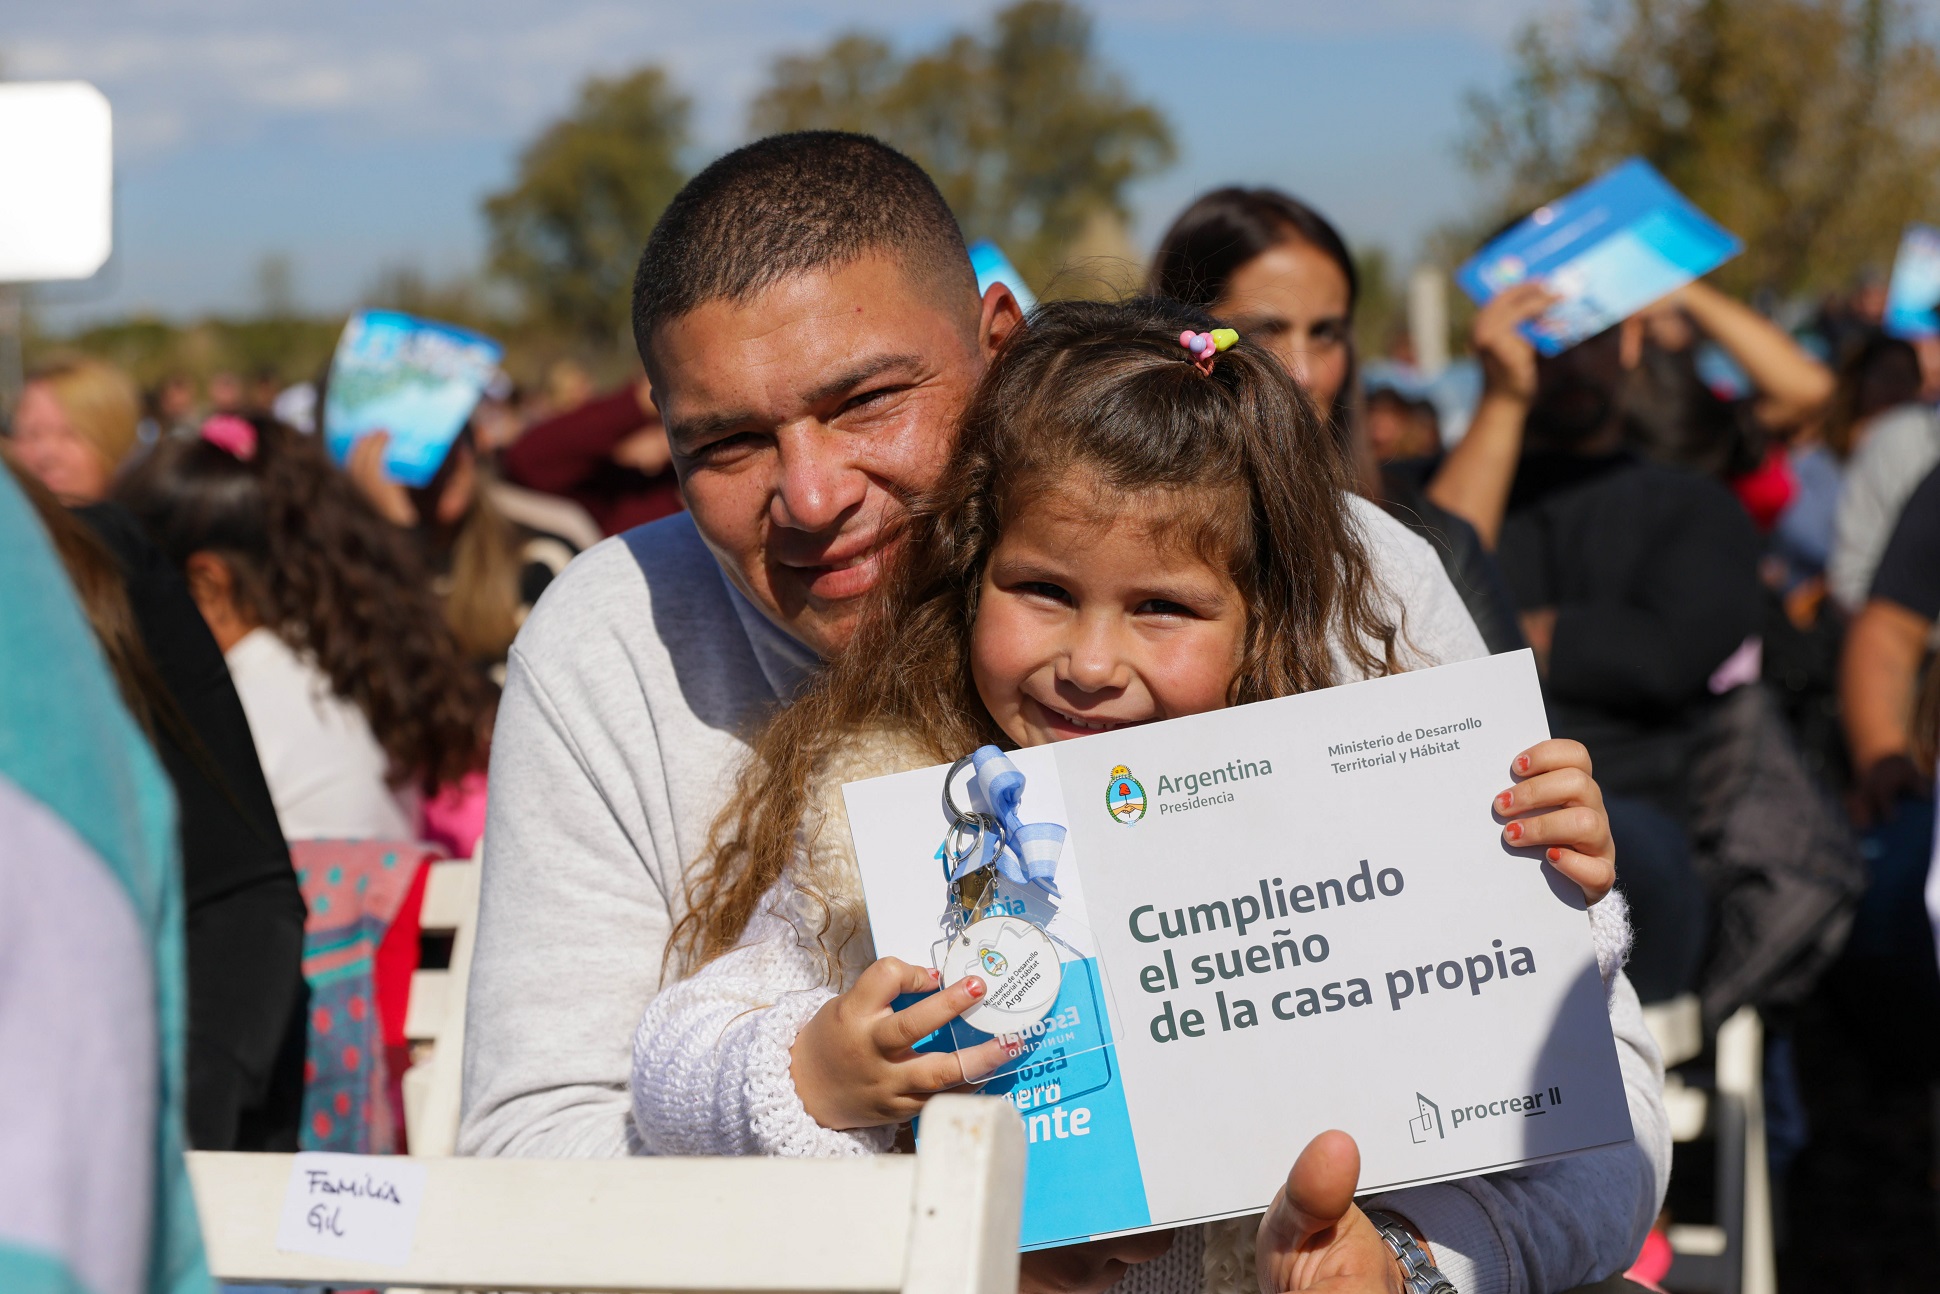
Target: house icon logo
{"x":1125,"y":796}
{"x":1428,"y":1118}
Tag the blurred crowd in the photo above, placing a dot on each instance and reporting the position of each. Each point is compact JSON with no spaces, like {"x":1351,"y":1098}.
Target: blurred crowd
{"x":1719,"y":535}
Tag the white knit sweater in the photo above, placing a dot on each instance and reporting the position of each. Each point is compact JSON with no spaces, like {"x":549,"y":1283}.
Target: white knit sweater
{"x":711,"y":1076}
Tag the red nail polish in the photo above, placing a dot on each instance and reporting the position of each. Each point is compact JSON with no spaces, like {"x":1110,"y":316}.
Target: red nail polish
{"x":1522,"y":763}
{"x":1555,"y":855}
{"x":975,"y":986}
{"x":1503,"y":801}
{"x":1513,"y":831}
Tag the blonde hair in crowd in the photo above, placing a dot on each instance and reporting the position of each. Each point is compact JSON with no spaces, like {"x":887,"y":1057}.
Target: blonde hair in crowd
{"x":482,"y":602}
{"x":98,"y":399}
{"x":1235,"y":465}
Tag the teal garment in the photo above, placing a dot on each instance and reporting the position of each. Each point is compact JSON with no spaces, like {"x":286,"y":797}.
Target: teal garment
{"x":67,"y":741}
{"x":28,"y":1271}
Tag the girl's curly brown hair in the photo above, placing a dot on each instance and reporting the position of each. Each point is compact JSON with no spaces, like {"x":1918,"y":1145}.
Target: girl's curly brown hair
{"x":1087,"y":395}
{"x":316,"y":565}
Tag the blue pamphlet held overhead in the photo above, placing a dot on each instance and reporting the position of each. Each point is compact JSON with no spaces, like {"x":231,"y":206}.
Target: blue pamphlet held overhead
{"x":992,"y":266}
{"x":1609,"y":249}
{"x":1914,"y":291}
{"x":414,"y":378}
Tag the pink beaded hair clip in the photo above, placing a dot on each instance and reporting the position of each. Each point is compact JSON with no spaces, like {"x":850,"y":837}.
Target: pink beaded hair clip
{"x":228,"y":432}
{"x":1205,"y":346}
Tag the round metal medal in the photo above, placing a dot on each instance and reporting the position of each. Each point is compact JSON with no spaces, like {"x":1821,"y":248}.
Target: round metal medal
{"x":1019,"y":966}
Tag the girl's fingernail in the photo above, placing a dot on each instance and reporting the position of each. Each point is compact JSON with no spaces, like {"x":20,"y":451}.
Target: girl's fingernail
{"x":974,"y":985}
{"x":1555,"y":855}
{"x":1504,"y":800}
{"x":935,"y":973}
{"x":1513,"y":831}
{"x":1522,"y":763}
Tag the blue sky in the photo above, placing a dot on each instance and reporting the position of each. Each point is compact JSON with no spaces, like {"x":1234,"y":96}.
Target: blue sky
{"x":360,"y":134}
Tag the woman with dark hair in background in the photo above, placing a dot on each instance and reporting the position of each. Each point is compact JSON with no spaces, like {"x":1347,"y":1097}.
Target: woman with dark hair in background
{"x":244,"y":915}
{"x":361,"y":701}
{"x":1279,"y":272}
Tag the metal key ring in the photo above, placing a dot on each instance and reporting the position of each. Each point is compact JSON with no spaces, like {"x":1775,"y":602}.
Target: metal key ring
{"x":962,"y":822}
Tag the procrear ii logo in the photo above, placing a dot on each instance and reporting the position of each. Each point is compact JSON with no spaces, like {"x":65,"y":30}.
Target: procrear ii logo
{"x":1125,"y":796}
{"x":1428,"y":1119}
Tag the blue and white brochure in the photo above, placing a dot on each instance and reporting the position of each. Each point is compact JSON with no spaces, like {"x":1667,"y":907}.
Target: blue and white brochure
{"x":1914,"y":290}
{"x":1614,"y":246}
{"x":414,"y":378}
{"x":1274,"y":920}
{"x":990,"y":265}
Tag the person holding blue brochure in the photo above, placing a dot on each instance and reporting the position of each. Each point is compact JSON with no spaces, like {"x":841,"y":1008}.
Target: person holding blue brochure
{"x":807,"y":315}
{"x":1637,"y":583}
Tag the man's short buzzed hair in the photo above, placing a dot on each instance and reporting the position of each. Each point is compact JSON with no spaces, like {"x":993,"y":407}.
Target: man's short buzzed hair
{"x":814,"y":200}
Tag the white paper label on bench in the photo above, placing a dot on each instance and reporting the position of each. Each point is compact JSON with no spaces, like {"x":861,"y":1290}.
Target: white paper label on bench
{"x":360,"y":1207}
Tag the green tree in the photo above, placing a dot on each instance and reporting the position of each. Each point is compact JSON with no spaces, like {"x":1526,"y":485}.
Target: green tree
{"x":1810,"y":128}
{"x":1028,"y":134}
{"x":1382,"y":311}
{"x":568,"y":232}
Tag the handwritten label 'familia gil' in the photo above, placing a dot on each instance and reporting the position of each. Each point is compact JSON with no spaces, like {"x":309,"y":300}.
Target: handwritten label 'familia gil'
{"x":352,"y":1206}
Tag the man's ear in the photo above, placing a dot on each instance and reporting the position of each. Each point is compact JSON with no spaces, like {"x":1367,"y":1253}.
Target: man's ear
{"x":1001,"y":314}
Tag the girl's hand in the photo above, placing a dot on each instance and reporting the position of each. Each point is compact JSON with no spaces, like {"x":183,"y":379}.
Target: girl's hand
{"x":1558,"y":806}
{"x":853,"y":1065}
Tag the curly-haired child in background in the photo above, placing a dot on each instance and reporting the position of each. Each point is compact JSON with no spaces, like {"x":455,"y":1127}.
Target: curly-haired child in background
{"x":362,"y":704}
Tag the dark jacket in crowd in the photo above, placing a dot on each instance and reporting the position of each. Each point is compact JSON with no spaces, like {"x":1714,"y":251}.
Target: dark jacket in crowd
{"x":1909,"y":570}
{"x":247,"y":998}
{"x":1653,"y":574}
{"x":1473,"y":572}
{"x":571,"y":455}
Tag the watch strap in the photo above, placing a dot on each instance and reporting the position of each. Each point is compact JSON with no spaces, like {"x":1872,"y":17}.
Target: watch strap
{"x":1419,"y":1275}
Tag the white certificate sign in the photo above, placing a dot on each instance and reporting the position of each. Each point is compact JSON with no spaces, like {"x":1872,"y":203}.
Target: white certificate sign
{"x":360,"y":1207}
{"x":1282,"y":918}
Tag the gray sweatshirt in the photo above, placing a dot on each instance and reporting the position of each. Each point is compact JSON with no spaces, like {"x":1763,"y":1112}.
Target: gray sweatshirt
{"x":629,"y":696}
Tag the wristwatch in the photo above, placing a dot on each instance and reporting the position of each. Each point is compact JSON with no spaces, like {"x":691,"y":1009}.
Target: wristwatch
{"x":1418,"y":1274}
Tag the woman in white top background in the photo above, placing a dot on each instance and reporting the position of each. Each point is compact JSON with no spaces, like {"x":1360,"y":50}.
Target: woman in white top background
{"x":361,"y":703}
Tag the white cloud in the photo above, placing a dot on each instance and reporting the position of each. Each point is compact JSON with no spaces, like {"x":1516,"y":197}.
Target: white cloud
{"x":189,"y":70}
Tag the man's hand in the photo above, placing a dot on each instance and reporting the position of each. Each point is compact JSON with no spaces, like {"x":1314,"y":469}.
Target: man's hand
{"x":854,"y":1064}
{"x":1314,"y":1237}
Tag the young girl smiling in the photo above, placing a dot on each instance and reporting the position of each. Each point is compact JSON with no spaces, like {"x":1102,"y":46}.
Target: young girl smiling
{"x":1136,"y":526}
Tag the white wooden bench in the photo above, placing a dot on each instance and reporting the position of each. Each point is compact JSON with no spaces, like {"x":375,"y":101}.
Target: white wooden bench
{"x":942,"y":1221}
{"x":1736,"y":1254}
{"x":434,"y":1017}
